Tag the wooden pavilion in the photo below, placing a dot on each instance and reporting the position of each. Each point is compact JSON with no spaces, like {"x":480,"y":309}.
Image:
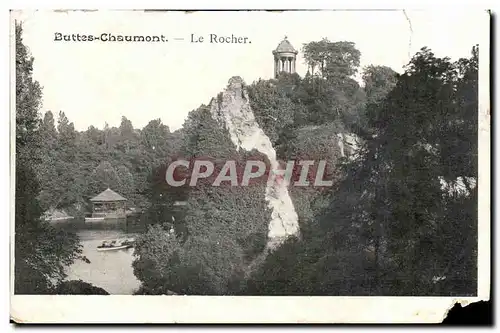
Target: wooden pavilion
{"x":109,"y":205}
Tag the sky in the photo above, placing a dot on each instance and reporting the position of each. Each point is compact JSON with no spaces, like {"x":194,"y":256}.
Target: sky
{"x":96,"y":83}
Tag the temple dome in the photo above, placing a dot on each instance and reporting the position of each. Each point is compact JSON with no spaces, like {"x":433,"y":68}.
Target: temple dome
{"x":285,"y":47}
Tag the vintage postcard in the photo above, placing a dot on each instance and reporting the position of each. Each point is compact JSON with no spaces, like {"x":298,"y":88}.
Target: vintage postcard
{"x":195,"y":166}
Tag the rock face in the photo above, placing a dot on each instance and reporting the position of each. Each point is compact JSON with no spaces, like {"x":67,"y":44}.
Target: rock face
{"x":232,"y":110}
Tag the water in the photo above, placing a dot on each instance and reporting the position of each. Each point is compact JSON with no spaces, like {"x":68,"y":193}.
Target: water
{"x":110,"y":270}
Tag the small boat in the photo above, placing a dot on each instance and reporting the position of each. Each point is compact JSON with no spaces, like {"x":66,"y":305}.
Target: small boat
{"x":113,"y":248}
{"x":118,"y":244}
{"x":64,"y":218}
{"x":94,"y":219}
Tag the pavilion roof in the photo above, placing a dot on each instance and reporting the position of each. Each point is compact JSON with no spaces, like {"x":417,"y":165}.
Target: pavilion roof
{"x":108,"y":195}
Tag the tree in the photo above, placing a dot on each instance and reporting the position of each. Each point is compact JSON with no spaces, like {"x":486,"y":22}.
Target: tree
{"x":332,"y":60}
{"x":127,"y":137}
{"x":204,"y":137}
{"x":67,"y":133}
{"x":409,"y":211}
{"x":390,"y":224}
{"x":223,"y":228}
{"x":104,"y":176}
{"x":227,"y":229}
{"x":48,"y":132}
{"x":94,"y":136}
{"x":329,"y":93}
{"x":379,"y":81}
{"x":126,"y":184}
{"x":41,"y":252}
{"x":273,"y":109}
{"x":157,"y":146}
{"x":78,"y":287}
{"x":46,"y":173}
{"x":155,"y":137}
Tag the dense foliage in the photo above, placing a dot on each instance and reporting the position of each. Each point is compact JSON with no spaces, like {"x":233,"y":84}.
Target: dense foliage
{"x":79,"y":165}
{"x":41,"y":252}
{"x":224,"y":228}
{"x":78,"y":287}
{"x":401,"y":218}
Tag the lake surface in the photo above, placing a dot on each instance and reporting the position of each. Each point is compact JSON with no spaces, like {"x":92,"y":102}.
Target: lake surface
{"x":110,"y":270}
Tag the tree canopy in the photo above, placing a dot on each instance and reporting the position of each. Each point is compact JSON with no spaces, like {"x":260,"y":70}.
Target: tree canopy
{"x":391,"y":226}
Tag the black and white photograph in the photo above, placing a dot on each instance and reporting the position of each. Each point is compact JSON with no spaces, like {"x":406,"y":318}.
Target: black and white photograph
{"x":258,"y":155}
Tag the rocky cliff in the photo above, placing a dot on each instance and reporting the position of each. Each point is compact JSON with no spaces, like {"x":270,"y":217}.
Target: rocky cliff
{"x":232,"y":110}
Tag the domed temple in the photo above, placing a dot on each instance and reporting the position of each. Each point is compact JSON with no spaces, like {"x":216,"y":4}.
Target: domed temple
{"x":285,"y":57}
